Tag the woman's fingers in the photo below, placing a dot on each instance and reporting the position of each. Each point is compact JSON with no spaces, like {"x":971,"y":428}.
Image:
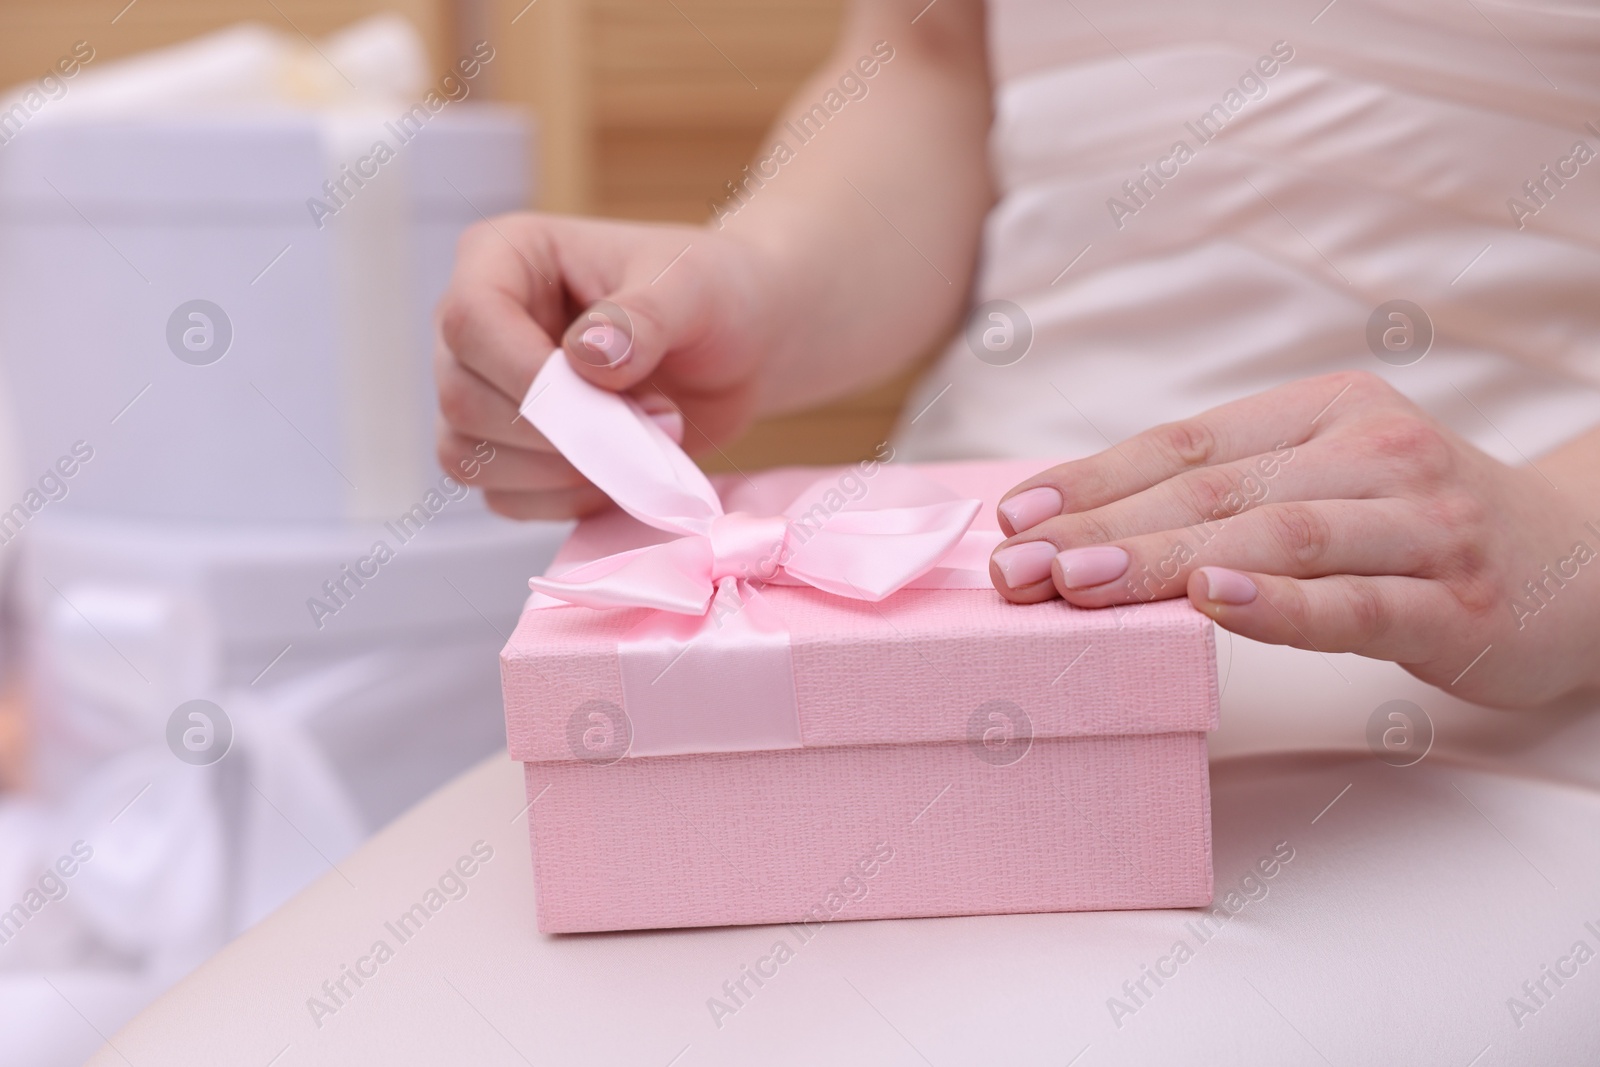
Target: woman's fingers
{"x":545,"y":504}
{"x":1386,"y":616}
{"x":504,"y":466}
{"x":1299,"y":538}
{"x":1319,"y":470}
{"x":473,"y":408}
{"x":490,"y":317}
{"x":1381,"y":533}
{"x":1266,"y":422}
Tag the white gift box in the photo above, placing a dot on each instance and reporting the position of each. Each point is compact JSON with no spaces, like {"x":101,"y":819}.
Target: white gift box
{"x":329,"y":731}
{"x":341,"y":721}
{"x":216,"y":331}
{"x":319,"y":403}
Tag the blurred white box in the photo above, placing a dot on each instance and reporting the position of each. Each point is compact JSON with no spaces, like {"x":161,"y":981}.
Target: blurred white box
{"x":216,"y":331}
{"x":218,"y":498}
{"x":321,"y":407}
{"x":131,"y":618}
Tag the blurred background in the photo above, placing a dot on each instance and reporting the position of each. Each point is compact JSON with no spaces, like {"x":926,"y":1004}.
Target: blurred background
{"x":245,"y":620}
{"x":641,"y":113}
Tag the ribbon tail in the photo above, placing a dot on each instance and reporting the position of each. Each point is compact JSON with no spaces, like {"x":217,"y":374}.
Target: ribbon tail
{"x":674,"y":577}
{"x":620,"y":449}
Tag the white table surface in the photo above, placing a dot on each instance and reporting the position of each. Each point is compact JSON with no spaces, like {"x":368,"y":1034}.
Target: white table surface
{"x":1418,"y":901}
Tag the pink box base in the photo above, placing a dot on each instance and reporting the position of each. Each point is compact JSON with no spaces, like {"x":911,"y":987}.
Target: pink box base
{"x":1109,"y":808}
{"x":801,"y":835}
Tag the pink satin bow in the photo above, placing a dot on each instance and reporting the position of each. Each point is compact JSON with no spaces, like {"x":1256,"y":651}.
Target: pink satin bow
{"x":846,"y":548}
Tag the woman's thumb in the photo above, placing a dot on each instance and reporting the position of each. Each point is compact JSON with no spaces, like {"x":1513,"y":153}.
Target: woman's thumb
{"x":619,"y":342}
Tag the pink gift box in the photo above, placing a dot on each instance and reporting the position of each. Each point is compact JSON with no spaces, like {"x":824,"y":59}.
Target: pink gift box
{"x":954,"y":754}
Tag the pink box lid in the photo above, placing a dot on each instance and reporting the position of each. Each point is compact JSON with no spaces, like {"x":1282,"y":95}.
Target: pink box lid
{"x":911,"y":669}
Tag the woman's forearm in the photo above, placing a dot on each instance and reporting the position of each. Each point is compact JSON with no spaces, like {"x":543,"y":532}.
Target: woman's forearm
{"x":1574,"y":467}
{"x":870,"y":214}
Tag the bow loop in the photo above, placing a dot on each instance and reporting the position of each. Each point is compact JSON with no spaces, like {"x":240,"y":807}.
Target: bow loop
{"x":869,"y":555}
{"x":832,"y":542}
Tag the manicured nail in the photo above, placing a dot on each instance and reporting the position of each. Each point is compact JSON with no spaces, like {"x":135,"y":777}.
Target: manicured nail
{"x":1227,"y":587}
{"x":602,"y":337}
{"x":1028,"y":509}
{"x":1083,"y":568}
{"x":603,"y":342}
{"x":1025,"y":564}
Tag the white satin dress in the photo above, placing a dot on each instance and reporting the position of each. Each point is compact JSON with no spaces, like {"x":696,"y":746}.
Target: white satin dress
{"x":1376,"y":164}
{"x":1441,"y":152}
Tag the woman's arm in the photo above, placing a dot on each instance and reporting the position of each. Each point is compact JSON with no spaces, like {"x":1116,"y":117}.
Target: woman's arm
{"x":852,"y":256}
{"x":1575,"y":467}
{"x":875,"y":220}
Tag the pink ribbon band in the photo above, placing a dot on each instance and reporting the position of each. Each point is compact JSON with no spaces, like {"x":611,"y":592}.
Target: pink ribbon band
{"x":723,"y":684}
{"x":710,"y":669}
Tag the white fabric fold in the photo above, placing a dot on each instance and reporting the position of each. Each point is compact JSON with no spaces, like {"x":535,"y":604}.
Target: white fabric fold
{"x":1376,"y":164}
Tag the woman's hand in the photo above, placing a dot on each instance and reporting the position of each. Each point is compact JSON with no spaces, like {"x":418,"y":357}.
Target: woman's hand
{"x":1328,"y":514}
{"x":672,"y":314}
{"x":835,"y":262}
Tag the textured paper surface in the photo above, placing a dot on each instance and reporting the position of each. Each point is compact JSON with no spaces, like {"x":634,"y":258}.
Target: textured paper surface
{"x":768,"y":837}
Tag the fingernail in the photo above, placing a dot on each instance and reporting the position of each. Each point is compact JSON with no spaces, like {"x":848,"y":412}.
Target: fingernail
{"x":671,"y":422}
{"x":602,"y":337}
{"x":604,"y":343}
{"x":1026,"y":563}
{"x":1082,"y":568}
{"x":1227,"y":587}
{"x":1028,"y":509}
